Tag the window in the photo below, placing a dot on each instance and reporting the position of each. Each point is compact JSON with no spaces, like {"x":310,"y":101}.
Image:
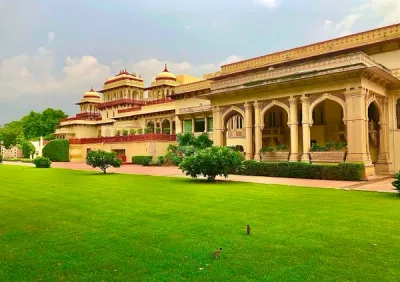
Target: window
{"x":272,"y":119}
{"x":187,"y":126}
{"x":236,"y":122}
{"x":199,"y":125}
{"x":210,"y":124}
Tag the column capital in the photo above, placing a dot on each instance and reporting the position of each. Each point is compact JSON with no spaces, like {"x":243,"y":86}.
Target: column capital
{"x":257,"y":105}
{"x":248,"y":106}
{"x":304,"y":99}
{"x":293,"y":101}
{"x":216,"y":109}
{"x":354,"y":93}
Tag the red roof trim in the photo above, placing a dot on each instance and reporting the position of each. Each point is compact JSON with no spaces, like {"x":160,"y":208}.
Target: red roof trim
{"x":123,"y":78}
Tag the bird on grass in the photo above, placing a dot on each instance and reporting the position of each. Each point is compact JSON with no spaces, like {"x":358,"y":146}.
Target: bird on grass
{"x":217,"y":253}
{"x":248,"y":229}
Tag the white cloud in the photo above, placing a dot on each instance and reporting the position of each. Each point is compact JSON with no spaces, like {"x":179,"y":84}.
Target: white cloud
{"x":327,"y":25}
{"x":388,"y":9}
{"x":267,"y":3}
{"x":51,"y":36}
{"x":345,"y":26}
{"x":43,"y":51}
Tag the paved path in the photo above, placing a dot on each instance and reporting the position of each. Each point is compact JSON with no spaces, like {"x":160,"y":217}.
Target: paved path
{"x":379,"y":185}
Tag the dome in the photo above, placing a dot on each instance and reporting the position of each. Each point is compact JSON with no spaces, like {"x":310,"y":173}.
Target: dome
{"x":124,"y":74}
{"x":166,"y":75}
{"x":91,"y":94}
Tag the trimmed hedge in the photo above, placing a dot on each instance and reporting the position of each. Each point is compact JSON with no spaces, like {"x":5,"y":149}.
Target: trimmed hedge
{"x":343,"y":171}
{"x":57,"y":150}
{"x":142,"y":160}
{"x":22,"y":160}
{"x":42,"y":162}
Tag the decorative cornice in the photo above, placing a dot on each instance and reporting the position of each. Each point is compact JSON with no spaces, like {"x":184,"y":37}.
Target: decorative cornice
{"x":352,"y":41}
{"x":195,"y":86}
{"x":396,"y":73}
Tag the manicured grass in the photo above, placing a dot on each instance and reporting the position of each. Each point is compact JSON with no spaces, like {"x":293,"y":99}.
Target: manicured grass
{"x":61,"y":225}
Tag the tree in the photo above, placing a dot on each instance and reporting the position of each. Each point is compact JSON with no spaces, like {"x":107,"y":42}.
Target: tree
{"x":396,"y":183}
{"x":102,"y":160}
{"x":27,"y":149}
{"x":41,"y":124}
{"x":10,"y":133}
{"x":211,"y":162}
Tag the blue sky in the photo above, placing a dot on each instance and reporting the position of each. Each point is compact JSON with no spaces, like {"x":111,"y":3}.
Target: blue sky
{"x":51,"y":52}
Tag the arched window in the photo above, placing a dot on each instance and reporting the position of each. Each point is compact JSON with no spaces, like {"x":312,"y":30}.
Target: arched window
{"x":236,"y":122}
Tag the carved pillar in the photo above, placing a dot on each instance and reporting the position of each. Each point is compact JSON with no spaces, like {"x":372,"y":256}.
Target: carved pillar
{"x":306,"y":122}
{"x":205,"y":125}
{"x":249,"y":130}
{"x":170,"y":126}
{"x":178,"y":125}
{"x":384,"y":165}
{"x":193,"y":124}
{"x":258,"y":127}
{"x":357,"y":130}
{"x":217,"y":132}
{"x":294,"y":131}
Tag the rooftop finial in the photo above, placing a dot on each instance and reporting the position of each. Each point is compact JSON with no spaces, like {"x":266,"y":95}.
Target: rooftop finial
{"x":91,"y":89}
{"x":166,"y":68}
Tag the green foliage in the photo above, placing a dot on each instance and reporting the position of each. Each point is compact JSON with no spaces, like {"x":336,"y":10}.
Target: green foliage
{"x":49,"y":137}
{"x":140,"y":131}
{"x":343,"y":171}
{"x":132,"y":132}
{"x":57,"y":150}
{"x":158,"y":130}
{"x":396,"y":182}
{"x":329,"y":146}
{"x":202,"y":141}
{"x":148,"y":130}
{"x":41,"y":124}
{"x":42,"y":162}
{"x":22,"y":160}
{"x":172,"y":156}
{"x":125,"y":133}
{"x":279,"y":148}
{"x":11,"y":133}
{"x":160,"y":160}
{"x":142,"y":160}
{"x":237,"y":148}
{"x":117,"y":133}
{"x":1,"y":158}
{"x":27,"y":149}
{"x":102,"y":160}
{"x":166,"y":130}
{"x":185,"y":139}
{"x":211,"y":162}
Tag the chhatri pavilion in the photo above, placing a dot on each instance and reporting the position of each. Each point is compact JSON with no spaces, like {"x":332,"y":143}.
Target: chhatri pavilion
{"x":341,"y":90}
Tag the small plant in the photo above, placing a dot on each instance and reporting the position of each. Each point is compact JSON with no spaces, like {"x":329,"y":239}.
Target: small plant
{"x":148,"y":130}
{"x":279,"y":148}
{"x":1,"y":158}
{"x":132,"y":132}
{"x":203,"y":141}
{"x":166,"y":130}
{"x":211,"y":162}
{"x":102,"y":160}
{"x":117,"y":133}
{"x":42,"y":162}
{"x":125,"y":133}
{"x":142,"y":160}
{"x":140,"y":131}
{"x":158,"y":130}
{"x":396,"y":182}
{"x":329,"y":146}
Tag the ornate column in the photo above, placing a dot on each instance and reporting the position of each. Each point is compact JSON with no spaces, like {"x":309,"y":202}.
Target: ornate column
{"x":205,"y":125}
{"x":357,"y":130}
{"x":249,"y":130}
{"x":217,"y":132}
{"x":384,"y":165}
{"x":193,"y":124}
{"x":178,"y":125}
{"x":306,"y":122}
{"x":170,"y":126}
{"x":294,"y":131}
{"x":258,"y":127}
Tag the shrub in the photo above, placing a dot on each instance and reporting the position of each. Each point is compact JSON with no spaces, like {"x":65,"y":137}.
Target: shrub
{"x":22,"y":160}
{"x":117,"y":133}
{"x":329,"y":146}
{"x":279,"y":148}
{"x":57,"y":150}
{"x":158,"y":130}
{"x":396,"y":182}
{"x":237,"y":148}
{"x":166,"y":130}
{"x":27,"y":149}
{"x":211,"y":162}
{"x":185,"y":139}
{"x":148,"y":130}
{"x":203,"y":141}
{"x":132,"y":132}
{"x":1,"y":158}
{"x":42,"y":162}
{"x":140,"y":131}
{"x":343,"y":171}
{"x":142,"y":160}
{"x":102,"y":159}
{"x":125,"y":133}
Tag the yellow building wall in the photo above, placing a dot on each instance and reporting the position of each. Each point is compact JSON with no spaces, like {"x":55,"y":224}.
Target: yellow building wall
{"x":185,"y":79}
{"x":389,"y":59}
{"x":85,"y":131}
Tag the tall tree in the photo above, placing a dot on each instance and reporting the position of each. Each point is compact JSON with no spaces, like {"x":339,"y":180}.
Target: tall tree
{"x":41,"y":124}
{"x":10,"y":133}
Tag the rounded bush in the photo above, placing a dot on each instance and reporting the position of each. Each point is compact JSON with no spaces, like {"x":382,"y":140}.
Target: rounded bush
{"x":211,"y":162}
{"x":42,"y":162}
{"x":57,"y":150}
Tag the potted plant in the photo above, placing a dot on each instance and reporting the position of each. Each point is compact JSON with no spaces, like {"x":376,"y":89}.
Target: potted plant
{"x":132,"y":132}
{"x":166,"y":130}
{"x":125,"y":132}
{"x":275,"y":154}
{"x":158,"y":130}
{"x":117,"y":133}
{"x":140,"y":131}
{"x":148,"y":130}
{"x":331,"y":152}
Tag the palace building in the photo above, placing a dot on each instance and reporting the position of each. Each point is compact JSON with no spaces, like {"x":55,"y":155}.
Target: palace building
{"x":344,"y":90}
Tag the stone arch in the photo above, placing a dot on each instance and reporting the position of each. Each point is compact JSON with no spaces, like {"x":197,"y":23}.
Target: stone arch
{"x":230,"y":113}
{"x":271,"y":105}
{"x":324,"y":97}
{"x":374,"y":101}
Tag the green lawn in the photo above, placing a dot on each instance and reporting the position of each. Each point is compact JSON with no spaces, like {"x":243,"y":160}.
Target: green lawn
{"x":61,"y":225}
